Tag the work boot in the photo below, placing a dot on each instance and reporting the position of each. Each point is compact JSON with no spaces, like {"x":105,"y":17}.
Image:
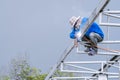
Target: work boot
{"x":95,"y":49}
{"x":88,"y":46}
{"x":87,"y":49}
{"x":92,"y":52}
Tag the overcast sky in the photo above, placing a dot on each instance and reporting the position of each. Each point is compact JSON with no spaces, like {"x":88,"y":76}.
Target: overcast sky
{"x":40,"y":28}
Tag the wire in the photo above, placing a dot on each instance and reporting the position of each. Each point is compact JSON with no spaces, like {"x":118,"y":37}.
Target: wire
{"x":106,"y":49}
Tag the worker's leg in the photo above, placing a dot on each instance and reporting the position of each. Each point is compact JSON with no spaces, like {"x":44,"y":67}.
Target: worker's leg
{"x":87,"y":44}
{"x":95,"y":38}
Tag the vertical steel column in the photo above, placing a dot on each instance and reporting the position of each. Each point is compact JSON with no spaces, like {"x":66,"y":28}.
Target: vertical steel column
{"x":102,"y":77}
{"x":119,"y":69}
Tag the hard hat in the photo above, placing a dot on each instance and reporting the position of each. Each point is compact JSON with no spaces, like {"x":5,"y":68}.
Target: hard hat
{"x":73,"y":20}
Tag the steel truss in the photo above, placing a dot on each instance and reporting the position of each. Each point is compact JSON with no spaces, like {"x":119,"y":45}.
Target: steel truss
{"x":102,"y":70}
{"x":83,"y":68}
{"x":105,"y":65}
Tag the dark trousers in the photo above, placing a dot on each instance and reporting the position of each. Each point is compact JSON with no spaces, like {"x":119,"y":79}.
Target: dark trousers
{"x":92,"y":39}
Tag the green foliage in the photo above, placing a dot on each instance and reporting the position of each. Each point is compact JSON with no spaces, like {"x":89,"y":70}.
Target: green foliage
{"x":4,"y":78}
{"x":63,"y":74}
{"x":38,"y":77}
{"x":21,"y":70}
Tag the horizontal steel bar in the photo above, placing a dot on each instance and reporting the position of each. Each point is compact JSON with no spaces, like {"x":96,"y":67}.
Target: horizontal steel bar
{"x":90,"y":72}
{"x":101,"y":53}
{"x":109,"y":24}
{"x":74,"y":77}
{"x":89,"y":62}
{"x":112,"y":12}
{"x":87,"y":68}
{"x":86,"y":77}
{"x":111,"y":15}
{"x":110,"y":42}
{"x":103,"y":42}
{"x":80,"y":67}
{"x":87,"y":72}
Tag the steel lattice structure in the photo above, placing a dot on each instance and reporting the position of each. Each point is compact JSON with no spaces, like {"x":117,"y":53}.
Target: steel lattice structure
{"x":102,"y":71}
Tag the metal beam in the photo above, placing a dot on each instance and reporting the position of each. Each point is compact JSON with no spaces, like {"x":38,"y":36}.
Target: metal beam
{"x":68,"y":78}
{"x":103,"y":42}
{"x":101,"y":53}
{"x":110,"y":24}
{"x":85,"y":78}
{"x":94,"y":15}
{"x":65,"y":54}
{"x":110,"y":42}
{"x":106,"y":66}
{"x":112,"y":12}
{"x":87,"y":69}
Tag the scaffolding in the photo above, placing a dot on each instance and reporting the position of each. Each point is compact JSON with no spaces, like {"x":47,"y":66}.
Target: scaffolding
{"x":108,"y":69}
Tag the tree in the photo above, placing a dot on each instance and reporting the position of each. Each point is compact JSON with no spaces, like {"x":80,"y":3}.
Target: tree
{"x":38,"y":77}
{"x":21,"y":70}
{"x":58,"y":73}
{"x":63,"y":74}
{"x":4,"y":77}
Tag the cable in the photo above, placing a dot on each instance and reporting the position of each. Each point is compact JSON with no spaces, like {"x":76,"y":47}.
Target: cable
{"x":106,"y":49}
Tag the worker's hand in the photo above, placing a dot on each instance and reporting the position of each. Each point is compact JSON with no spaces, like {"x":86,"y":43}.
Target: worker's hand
{"x":75,"y":43}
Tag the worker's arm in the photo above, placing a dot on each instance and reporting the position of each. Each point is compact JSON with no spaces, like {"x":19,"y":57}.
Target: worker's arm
{"x":75,"y":43}
{"x":74,"y":36}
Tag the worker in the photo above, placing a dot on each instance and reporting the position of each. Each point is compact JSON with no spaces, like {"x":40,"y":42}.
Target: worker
{"x":92,"y":36}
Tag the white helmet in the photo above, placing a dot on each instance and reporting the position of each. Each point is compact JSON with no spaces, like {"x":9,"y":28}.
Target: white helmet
{"x":73,"y":20}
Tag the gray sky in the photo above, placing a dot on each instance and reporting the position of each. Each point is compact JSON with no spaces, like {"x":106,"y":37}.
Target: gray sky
{"x":40,"y":28}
